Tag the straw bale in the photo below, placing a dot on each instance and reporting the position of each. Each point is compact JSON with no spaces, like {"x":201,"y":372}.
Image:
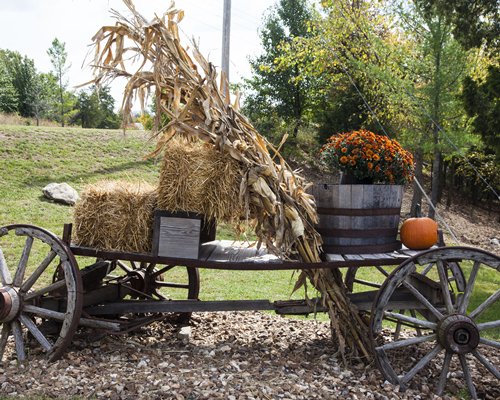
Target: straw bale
{"x":116,"y":215}
{"x":196,"y":177}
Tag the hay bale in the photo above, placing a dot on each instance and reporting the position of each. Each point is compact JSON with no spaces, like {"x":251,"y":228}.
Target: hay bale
{"x":195,"y":177}
{"x":116,"y":215}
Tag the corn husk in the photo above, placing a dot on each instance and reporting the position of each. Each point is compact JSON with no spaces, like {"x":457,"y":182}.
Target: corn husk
{"x":190,"y":104}
{"x":115,"y":215}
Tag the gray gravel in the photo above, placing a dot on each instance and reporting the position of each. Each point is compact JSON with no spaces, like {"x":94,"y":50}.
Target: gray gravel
{"x":228,"y":356}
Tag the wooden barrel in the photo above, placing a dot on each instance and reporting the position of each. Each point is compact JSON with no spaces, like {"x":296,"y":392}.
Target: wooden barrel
{"x":356,"y":219}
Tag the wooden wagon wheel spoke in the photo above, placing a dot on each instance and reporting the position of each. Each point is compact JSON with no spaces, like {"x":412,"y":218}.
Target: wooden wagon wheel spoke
{"x":489,"y":342}
{"x":467,"y":376}
{"x":172,"y":285}
{"x":47,"y":289}
{"x":37,"y":334}
{"x":29,"y":306}
{"x":4,"y":337}
{"x":489,"y":366}
{"x":411,"y":320}
{"x":124,"y":267}
{"x":488,"y":325}
{"x":483,"y":306}
{"x":444,"y":373}
{"x":23,"y":262}
{"x":406,"y":342}
{"x":421,"y":364}
{"x":4,"y":271}
{"x":420,"y":297}
{"x":28,"y":284}
{"x":464,"y":302}
{"x":417,"y":329}
{"x":443,"y":281}
{"x":160,"y":271}
{"x":18,"y":340}
{"x":455,"y":331}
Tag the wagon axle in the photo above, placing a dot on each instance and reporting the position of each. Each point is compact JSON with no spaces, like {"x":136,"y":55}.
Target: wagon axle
{"x":9,"y":304}
{"x":458,"y":334}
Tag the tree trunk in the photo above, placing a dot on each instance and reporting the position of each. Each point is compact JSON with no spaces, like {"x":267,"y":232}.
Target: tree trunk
{"x":419,"y":176}
{"x":451,"y":187}
{"x":436,"y":181}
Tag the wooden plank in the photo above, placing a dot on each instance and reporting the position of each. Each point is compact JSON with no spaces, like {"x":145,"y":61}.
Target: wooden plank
{"x":154,"y":306}
{"x":334,"y":257}
{"x":353,"y":257}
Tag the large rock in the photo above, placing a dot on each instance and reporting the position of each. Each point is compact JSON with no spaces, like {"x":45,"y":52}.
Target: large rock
{"x":61,"y":192}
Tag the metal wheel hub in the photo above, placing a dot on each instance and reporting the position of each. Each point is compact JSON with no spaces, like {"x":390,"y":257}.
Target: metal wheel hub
{"x":458,"y":333}
{"x":10,"y":303}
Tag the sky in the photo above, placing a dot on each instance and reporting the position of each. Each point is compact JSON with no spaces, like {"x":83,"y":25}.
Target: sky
{"x":29,"y":26}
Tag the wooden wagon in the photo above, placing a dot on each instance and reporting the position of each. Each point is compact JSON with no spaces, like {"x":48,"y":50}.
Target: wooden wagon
{"x":42,"y":303}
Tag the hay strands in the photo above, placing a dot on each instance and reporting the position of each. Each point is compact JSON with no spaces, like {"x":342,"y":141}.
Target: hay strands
{"x":186,"y":91}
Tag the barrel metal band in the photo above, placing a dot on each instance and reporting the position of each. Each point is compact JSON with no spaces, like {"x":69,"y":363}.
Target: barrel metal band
{"x":378,"y":248}
{"x":358,"y":233}
{"x":355,"y":212}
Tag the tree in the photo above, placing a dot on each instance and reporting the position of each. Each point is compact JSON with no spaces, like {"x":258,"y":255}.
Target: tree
{"x":482,"y":102}
{"x":23,"y":74}
{"x":279,"y":90}
{"x":8,"y":94}
{"x":96,"y":109}
{"x":474,"y":23}
{"x":44,"y":96}
{"x":58,"y":58}
{"x":406,"y":65}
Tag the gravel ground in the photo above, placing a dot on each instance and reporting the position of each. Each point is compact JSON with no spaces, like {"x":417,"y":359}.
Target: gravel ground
{"x":229,"y":355}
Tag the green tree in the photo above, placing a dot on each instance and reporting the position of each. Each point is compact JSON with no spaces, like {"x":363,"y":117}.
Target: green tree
{"x":473,"y":22}
{"x":482,"y":102}
{"x":96,"y":109}
{"x":58,"y":58}
{"x":8,"y":94}
{"x":23,"y":74}
{"x":275,"y":90}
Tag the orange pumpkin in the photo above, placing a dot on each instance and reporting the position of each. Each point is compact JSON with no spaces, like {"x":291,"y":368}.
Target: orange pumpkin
{"x":419,"y":233}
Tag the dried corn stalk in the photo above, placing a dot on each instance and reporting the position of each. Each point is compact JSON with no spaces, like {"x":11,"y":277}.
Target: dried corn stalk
{"x":187,"y":93}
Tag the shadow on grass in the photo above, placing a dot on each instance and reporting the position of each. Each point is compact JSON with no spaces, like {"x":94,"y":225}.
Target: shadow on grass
{"x":38,"y":180}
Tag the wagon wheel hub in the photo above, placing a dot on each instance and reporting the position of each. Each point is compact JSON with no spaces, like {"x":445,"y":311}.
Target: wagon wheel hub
{"x":9,"y":304}
{"x":458,"y":333}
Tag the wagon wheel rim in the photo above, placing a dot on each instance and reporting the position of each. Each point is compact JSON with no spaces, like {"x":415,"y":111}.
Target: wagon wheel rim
{"x":454,"y":329}
{"x":36,"y":310}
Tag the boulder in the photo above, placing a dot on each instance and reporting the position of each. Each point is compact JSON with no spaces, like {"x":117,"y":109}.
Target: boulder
{"x":61,"y":193}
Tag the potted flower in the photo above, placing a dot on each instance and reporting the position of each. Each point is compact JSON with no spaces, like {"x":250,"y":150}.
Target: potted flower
{"x":361,"y":215}
{"x":365,"y":157}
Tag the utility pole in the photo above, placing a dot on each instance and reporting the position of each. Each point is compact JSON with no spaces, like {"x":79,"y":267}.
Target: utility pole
{"x":226,"y":32}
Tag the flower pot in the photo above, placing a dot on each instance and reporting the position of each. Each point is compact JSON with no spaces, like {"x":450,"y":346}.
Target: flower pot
{"x":356,"y":219}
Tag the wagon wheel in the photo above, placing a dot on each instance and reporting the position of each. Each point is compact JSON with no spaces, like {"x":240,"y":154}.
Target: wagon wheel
{"x":38,"y":312}
{"x":457,"y":333}
{"x":156,"y":281}
{"x":453,"y":272}
{"x":148,"y":280}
